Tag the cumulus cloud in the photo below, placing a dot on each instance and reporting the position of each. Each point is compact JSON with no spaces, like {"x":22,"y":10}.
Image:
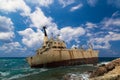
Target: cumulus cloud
{"x":6,"y":28}
{"x":6,"y":24}
{"x":12,"y":47}
{"x":105,"y":41}
{"x":76,"y":7}
{"x":39,"y":19}
{"x":65,"y":3}
{"x":90,"y":25}
{"x":14,"y":5}
{"x":92,"y":2}
{"x":6,"y":36}
{"x":44,"y":3}
{"x":69,"y":33}
{"x":31,"y":38}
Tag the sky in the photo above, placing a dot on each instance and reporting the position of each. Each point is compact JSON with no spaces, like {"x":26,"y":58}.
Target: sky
{"x":78,"y":22}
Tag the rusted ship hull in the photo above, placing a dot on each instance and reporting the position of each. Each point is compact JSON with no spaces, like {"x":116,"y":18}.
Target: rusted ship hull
{"x":54,"y":53}
{"x":71,"y":62}
{"x":65,"y":57}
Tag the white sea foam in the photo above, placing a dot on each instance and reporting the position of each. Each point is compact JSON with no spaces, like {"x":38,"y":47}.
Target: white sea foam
{"x":43,"y":69}
{"x":4,"y":73}
{"x":24,"y":75}
{"x":85,"y":76}
{"x":102,"y":63}
{"x":71,"y":76}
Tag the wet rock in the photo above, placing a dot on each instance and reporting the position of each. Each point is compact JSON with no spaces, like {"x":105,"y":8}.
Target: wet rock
{"x":98,"y":72}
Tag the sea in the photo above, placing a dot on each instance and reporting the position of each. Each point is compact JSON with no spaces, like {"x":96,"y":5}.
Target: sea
{"x":19,"y":69}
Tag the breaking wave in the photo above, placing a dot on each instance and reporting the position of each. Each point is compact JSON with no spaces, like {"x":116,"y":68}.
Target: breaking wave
{"x":101,"y":63}
{"x":71,"y":76}
{"x":4,"y":73}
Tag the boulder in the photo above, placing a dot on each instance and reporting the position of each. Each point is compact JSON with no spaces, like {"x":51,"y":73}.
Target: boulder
{"x":110,"y":71}
{"x":98,"y":72}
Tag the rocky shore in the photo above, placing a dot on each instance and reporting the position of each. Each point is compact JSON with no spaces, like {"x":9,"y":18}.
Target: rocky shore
{"x":110,"y":71}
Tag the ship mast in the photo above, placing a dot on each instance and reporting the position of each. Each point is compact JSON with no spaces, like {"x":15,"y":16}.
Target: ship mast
{"x":45,"y":37}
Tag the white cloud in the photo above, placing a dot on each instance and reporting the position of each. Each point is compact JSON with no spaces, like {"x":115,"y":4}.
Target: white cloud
{"x":111,"y":22}
{"x":6,"y":36}
{"x":114,"y":20}
{"x":69,"y":33}
{"x":113,"y":36}
{"x":65,"y":3}
{"x":75,"y":46}
{"x":92,"y":2}
{"x":90,"y":25}
{"x":44,"y":3}
{"x":14,"y":5}
{"x":31,"y":38}
{"x":76,"y":7}
{"x":34,"y":39}
{"x":6,"y":28}
{"x":53,"y":28}
{"x":108,"y":30}
{"x":11,"y":47}
{"x":6,"y":24}
{"x":105,"y":41}
{"x":39,"y":19}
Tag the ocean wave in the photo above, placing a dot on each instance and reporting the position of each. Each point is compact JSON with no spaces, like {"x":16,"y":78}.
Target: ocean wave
{"x":101,"y":63}
{"x":19,"y":76}
{"x":13,"y":77}
{"x":71,"y":76}
{"x":4,"y":73}
{"x":85,"y":76}
{"x":24,"y":75}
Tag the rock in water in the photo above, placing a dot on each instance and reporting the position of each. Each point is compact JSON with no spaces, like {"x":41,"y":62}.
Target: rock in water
{"x":110,"y":71}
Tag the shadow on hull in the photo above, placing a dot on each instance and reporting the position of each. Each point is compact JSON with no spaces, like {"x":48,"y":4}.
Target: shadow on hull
{"x":71,"y":62}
